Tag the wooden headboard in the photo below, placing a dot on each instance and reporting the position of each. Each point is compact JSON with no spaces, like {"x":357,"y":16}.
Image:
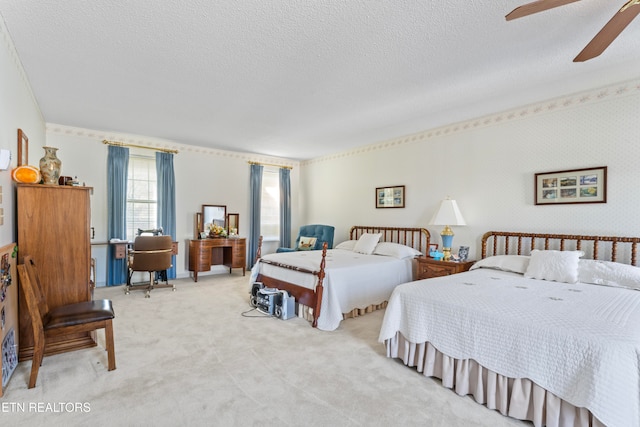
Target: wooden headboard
{"x":417,"y":238}
{"x":608,"y":248}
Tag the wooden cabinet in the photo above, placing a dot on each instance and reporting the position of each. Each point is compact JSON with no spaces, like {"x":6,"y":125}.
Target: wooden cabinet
{"x":54,"y":228}
{"x":230,"y":252}
{"x":428,"y":267}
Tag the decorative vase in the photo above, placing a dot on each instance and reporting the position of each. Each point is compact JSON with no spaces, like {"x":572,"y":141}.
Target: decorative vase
{"x":50,"y":166}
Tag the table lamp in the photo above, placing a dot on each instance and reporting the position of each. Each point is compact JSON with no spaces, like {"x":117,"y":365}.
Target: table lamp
{"x":447,"y":214}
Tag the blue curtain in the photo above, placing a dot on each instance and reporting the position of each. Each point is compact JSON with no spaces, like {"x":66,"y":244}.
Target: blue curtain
{"x":167,"y":201}
{"x":285,"y":207}
{"x":255,"y":193}
{"x":117,"y":170}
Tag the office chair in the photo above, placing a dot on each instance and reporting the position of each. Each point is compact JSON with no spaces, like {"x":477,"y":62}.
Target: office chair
{"x":160,"y":275}
{"x":151,"y":254}
{"x":86,"y":316}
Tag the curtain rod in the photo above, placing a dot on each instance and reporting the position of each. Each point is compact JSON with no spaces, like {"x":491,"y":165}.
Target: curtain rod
{"x":122,"y":144}
{"x":270,"y":164}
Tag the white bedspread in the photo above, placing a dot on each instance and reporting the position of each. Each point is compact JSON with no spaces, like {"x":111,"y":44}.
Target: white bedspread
{"x":352,"y":280}
{"x":579,"y":341}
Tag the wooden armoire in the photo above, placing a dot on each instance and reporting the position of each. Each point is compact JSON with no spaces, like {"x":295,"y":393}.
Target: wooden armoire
{"x":54,"y":228}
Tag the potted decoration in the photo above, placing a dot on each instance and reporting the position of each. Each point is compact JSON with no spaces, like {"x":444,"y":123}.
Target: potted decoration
{"x":217,"y":231}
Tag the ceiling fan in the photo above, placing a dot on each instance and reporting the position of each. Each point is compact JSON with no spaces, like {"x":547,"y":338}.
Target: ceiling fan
{"x":602,"y":40}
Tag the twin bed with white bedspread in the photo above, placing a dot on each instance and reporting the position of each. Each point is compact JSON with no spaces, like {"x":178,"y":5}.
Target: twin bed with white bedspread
{"x":351,"y":280}
{"x":545,"y":336}
{"x":337,"y":281}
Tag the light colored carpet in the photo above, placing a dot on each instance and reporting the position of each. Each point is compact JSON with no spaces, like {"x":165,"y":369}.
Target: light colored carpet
{"x":191,"y":358}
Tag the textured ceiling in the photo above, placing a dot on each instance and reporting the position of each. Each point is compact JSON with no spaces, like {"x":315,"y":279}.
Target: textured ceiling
{"x":302,"y":79}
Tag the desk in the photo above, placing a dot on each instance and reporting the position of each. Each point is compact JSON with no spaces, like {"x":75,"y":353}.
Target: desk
{"x":230,"y":252}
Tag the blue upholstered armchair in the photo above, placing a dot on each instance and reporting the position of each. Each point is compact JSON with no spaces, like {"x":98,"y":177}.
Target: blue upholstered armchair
{"x":322,"y":233}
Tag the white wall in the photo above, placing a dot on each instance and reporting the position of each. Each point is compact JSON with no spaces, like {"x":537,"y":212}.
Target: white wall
{"x":203,"y":176}
{"x":18,"y":110}
{"x":488,"y":166}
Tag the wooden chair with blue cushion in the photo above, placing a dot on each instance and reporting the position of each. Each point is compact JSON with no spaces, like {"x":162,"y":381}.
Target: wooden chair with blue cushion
{"x":311,"y":238}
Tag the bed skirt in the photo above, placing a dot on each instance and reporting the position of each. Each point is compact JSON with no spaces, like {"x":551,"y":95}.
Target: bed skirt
{"x":518,"y":398}
{"x":306,"y":312}
{"x":362,"y":311}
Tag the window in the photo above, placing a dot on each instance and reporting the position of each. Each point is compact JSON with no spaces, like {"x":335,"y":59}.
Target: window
{"x":142,"y":195}
{"x":270,"y":205}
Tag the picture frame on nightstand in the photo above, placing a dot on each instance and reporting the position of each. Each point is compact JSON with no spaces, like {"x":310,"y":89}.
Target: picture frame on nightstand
{"x":463,"y":253}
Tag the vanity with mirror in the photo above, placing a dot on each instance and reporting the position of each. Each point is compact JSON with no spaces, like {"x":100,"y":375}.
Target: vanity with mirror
{"x":217,"y":241}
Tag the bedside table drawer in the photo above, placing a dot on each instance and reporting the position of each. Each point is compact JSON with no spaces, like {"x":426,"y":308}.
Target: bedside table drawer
{"x":429,"y":268}
{"x":429,"y":271}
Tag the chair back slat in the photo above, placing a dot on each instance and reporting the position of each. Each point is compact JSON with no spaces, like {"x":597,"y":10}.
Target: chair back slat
{"x":34,"y":299}
{"x":33,"y":280}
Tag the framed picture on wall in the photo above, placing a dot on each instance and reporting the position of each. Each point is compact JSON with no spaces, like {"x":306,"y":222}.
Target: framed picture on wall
{"x":390,"y":197}
{"x":23,"y":148}
{"x":571,"y":186}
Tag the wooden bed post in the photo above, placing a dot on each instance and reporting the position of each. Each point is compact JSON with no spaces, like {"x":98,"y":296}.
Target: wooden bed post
{"x":319,"y":288}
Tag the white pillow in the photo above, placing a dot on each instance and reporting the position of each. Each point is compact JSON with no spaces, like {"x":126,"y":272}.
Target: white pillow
{"x":347,"y":245}
{"x":558,"y":266}
{"x":367,"y":243}
{"x":513,"y":263}
{"x":609,"y":273}
{"x":396,"y":250}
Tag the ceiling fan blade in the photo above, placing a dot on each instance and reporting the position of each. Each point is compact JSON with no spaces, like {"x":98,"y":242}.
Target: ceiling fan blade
{"x":610,"y":31}
{"x":535,"y":7}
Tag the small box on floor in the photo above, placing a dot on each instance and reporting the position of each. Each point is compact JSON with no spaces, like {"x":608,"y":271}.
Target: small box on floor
{"x":286,"y":309}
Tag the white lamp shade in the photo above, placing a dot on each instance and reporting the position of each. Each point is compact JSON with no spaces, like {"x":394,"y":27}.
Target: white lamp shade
{"x":448,"y":214}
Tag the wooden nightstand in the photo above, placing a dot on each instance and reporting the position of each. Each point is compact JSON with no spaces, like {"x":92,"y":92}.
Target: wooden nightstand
{"x":428,"y":267}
